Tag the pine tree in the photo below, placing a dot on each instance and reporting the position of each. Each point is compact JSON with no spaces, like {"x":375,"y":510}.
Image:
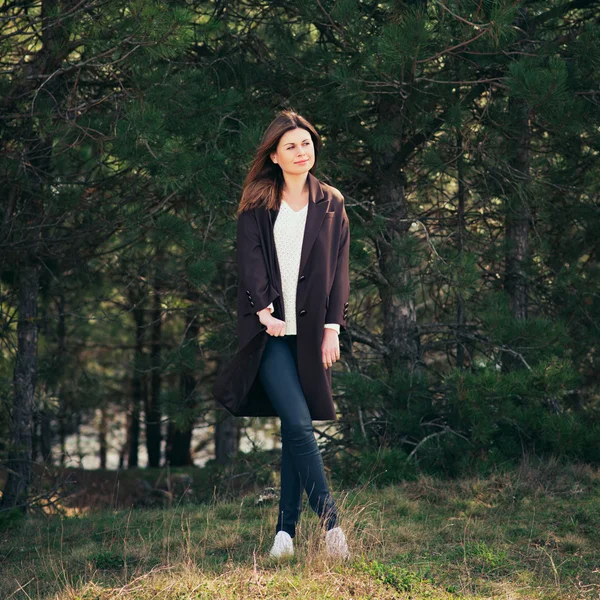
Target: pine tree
{"x":67,"y":193}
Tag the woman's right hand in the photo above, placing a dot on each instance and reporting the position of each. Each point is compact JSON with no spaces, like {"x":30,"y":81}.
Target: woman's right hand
{"x":275,"y":327}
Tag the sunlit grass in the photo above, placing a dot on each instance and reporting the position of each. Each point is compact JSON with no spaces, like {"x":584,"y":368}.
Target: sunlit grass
{"x":530,"y":533}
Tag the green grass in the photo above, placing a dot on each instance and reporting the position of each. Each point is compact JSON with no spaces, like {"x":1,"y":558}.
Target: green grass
{"x":531,"y":533}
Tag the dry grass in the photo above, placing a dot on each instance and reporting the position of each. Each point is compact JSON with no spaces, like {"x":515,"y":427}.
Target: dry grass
{"x":530,"y":533}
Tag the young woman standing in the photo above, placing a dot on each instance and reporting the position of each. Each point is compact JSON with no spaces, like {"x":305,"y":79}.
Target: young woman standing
{"x":292,"y":255}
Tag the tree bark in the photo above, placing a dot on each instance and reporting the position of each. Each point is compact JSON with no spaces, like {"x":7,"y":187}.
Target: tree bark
{"x":461,"y":317}
{"x":153,"y":410}
{"x":399,"y":315}
{"x":28,"y":204}
{"x":179,"y":441}
{"x":102,"y":434}
{"x":517,"y":217}
{"x":226,"y":438}
{"x":24,"y":381}
{"x":46,"y":435}
{"x":517,"y":211}
{"x":133,"y":421}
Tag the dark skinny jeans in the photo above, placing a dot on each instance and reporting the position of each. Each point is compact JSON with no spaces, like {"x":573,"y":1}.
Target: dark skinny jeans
{"x":301,"y":460}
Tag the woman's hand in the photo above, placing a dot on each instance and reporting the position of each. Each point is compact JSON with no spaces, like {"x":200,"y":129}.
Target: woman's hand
{"x":330,"y":347}
{"x":275,"y":326}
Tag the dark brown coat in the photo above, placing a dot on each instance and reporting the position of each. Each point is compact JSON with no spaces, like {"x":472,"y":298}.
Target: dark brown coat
{"x":322,"y":297}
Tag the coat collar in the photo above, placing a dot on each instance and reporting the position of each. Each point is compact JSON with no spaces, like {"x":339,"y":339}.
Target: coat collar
{"x":316,"y":193}
{"x":318,"y":205}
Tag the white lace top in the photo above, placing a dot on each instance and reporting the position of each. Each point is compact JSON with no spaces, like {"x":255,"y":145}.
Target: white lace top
{"x":288,"y":232}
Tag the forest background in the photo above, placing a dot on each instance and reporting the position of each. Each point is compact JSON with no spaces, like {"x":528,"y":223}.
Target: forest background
{"x":464,"y":136}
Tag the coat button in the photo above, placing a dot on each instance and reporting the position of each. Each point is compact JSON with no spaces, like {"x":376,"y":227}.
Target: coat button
{"x":302,"y":277}
{"x":345,"y":305}
{"x":251,"y":303}
{"x":302,"y":312}
{"x":248,"y":292}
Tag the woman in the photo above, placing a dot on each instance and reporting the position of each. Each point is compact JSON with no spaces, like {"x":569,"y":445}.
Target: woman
{"x":292,"y":255}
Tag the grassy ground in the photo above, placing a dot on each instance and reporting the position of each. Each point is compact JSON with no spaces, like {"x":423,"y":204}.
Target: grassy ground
{"x":531,"y":533}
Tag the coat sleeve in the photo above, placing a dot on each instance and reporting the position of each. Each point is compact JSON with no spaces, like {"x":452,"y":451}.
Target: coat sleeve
{"x":252,"y":270}
{"x":337,"y":307}
{"x":270,"y":307}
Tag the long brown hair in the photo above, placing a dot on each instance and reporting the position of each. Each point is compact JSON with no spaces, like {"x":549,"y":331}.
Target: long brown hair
{"x":264,"y":182}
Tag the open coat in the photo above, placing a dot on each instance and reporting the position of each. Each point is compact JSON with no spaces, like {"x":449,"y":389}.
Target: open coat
{"x":321,"y":297}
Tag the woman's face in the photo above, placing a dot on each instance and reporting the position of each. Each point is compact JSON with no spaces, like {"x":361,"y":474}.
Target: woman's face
{"x":295,"y":152}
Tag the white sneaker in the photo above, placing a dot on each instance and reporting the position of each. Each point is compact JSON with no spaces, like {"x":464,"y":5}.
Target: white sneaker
{"x":283,"y":545}
{"x":335,"y":540}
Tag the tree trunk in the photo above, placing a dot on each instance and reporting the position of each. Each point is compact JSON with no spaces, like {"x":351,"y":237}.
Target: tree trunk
{"x":46,"y":435}
{"x":517,"y":211}
{"x":226,"y":444}
{"x":460,"y":230}
{"x":133,"y":434}
{"x":399,"y":315}
{"x":102,"y":433}
{"x":62,"y":433}
{"x":28,"y":204}
{"x":179,"y":440}
{"x":54,"y":383}
{"x":126,"y":444}
{"x":24,"y":380}
{"x":461,"y":318}
{"x":517,"y":217}
{"x":78,"y":444}
{"x":153,"y":412}
{"x":178,"y":451}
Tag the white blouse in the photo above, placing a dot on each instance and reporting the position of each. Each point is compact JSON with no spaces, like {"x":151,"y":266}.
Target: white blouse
{"x":288,"y":232}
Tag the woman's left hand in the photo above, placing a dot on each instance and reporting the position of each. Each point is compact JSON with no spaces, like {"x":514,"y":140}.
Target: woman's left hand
{"x":330,"y":347}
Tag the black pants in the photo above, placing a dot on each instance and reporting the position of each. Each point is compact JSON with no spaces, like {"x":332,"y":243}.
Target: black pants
{"x":301,"y":460}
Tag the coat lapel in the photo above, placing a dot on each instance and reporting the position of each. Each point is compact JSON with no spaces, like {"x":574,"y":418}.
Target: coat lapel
{"x":318,"y":205}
